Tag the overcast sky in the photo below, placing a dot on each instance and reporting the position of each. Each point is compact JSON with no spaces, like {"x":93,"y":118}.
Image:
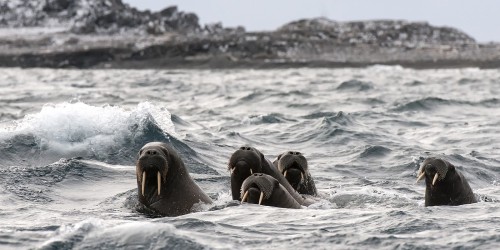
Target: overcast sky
{"x":478,"y":18}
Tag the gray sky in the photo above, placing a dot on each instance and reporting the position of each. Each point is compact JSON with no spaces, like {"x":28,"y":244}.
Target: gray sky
{"x":478,"y":18}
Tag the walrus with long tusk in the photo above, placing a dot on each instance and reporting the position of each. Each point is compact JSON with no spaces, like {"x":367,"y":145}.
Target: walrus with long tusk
{"x":248,"y":160}
{"x":164,"y":183}
{"x":293,"y":165}
{"x":265,"y":190}
{"x":444,"y":184}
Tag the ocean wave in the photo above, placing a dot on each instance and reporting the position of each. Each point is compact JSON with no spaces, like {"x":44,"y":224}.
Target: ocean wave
{"x":267,"y":119}
{"x":109,"y":134}
{"x":355,"y":85}
{"x":38,"y":184}
{"x":375,"y":151}
{"x":427,"y":103}
{"x":99,"y":234}
{"x":431,"y":103}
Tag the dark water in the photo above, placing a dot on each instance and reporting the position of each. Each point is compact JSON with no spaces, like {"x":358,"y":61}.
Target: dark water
{"x":69,"y":138}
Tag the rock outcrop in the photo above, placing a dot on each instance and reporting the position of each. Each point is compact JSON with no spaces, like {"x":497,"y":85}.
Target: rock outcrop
{"x":108,"y":33}
{"x":384,"y":33}
{"x":94,"y":16}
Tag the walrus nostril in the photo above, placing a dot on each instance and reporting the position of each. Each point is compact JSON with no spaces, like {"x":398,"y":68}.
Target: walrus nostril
{"x":151,"y":152}
{"x":290,"y":153}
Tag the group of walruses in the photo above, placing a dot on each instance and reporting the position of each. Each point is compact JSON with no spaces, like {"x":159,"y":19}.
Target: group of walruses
{"x":166,"y":188}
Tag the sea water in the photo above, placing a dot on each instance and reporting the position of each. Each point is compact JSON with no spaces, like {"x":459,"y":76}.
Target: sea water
{"x":69,"y":141}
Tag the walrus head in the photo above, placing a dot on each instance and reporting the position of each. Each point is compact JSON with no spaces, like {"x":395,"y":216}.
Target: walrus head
{"x":257,"y":188}
{"x":243,"y":162}
{"x":434,"y":170}
{"x":152,"y":168}
{"x":265,"y":190}
{"x":445,"y":185}
{"x":293,"y":165}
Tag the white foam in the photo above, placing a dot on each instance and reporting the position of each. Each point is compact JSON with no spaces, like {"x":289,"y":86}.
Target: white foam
{"x":78,"y":126}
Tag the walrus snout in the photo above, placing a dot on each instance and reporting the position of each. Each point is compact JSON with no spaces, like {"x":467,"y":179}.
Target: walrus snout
{"x":241,"y":167}
{"x":257,"y":188}
{"x":152,"y":167}
{"x":294,"y":175}
{"x":153,"y":162}
{"x":433,"y":169}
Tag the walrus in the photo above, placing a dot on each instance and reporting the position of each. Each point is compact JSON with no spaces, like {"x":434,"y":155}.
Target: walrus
{"x":265,"y":190}
{"x":248,"y":160}
{"x":164,"y":184}
{"x":444,"y":184}
{"x":293,"y":165}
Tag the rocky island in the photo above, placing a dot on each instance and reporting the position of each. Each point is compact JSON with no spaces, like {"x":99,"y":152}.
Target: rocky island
{"x":111,"y":34}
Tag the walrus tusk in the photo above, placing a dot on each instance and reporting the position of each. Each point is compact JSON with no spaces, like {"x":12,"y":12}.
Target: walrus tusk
{"x":285,"y":173}
{"x":143,"y":182}
{"x":420,"y":177}
{"x":435,"y":179}
{"x":251,"y":172}
{"x":159,"y":183}
{"x":261,"y":198}
{"x":301,"y":177}
{"x":244,"y":197}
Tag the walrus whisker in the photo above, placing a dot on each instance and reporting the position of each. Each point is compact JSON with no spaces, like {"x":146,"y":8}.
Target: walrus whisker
{"x":261,"y":198}
{"x":436,"y":176}
{"x":244,"y":197}
{"x":143,"y":182}
{"x":159,"y":183}
{"x":420,"y":177}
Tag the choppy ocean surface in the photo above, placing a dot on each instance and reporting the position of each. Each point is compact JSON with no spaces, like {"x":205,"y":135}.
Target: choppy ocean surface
{"x":69,"y":140}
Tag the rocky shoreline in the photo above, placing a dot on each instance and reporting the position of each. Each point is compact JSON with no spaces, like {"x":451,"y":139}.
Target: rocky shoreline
{"x":114,"y":35}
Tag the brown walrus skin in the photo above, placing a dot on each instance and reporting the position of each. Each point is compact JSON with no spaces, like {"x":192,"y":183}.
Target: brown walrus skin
{"x":159,"y":165}
{"x":444,"y":184}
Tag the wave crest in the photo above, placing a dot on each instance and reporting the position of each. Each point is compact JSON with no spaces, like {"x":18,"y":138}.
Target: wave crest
{"x":110,"y":134}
